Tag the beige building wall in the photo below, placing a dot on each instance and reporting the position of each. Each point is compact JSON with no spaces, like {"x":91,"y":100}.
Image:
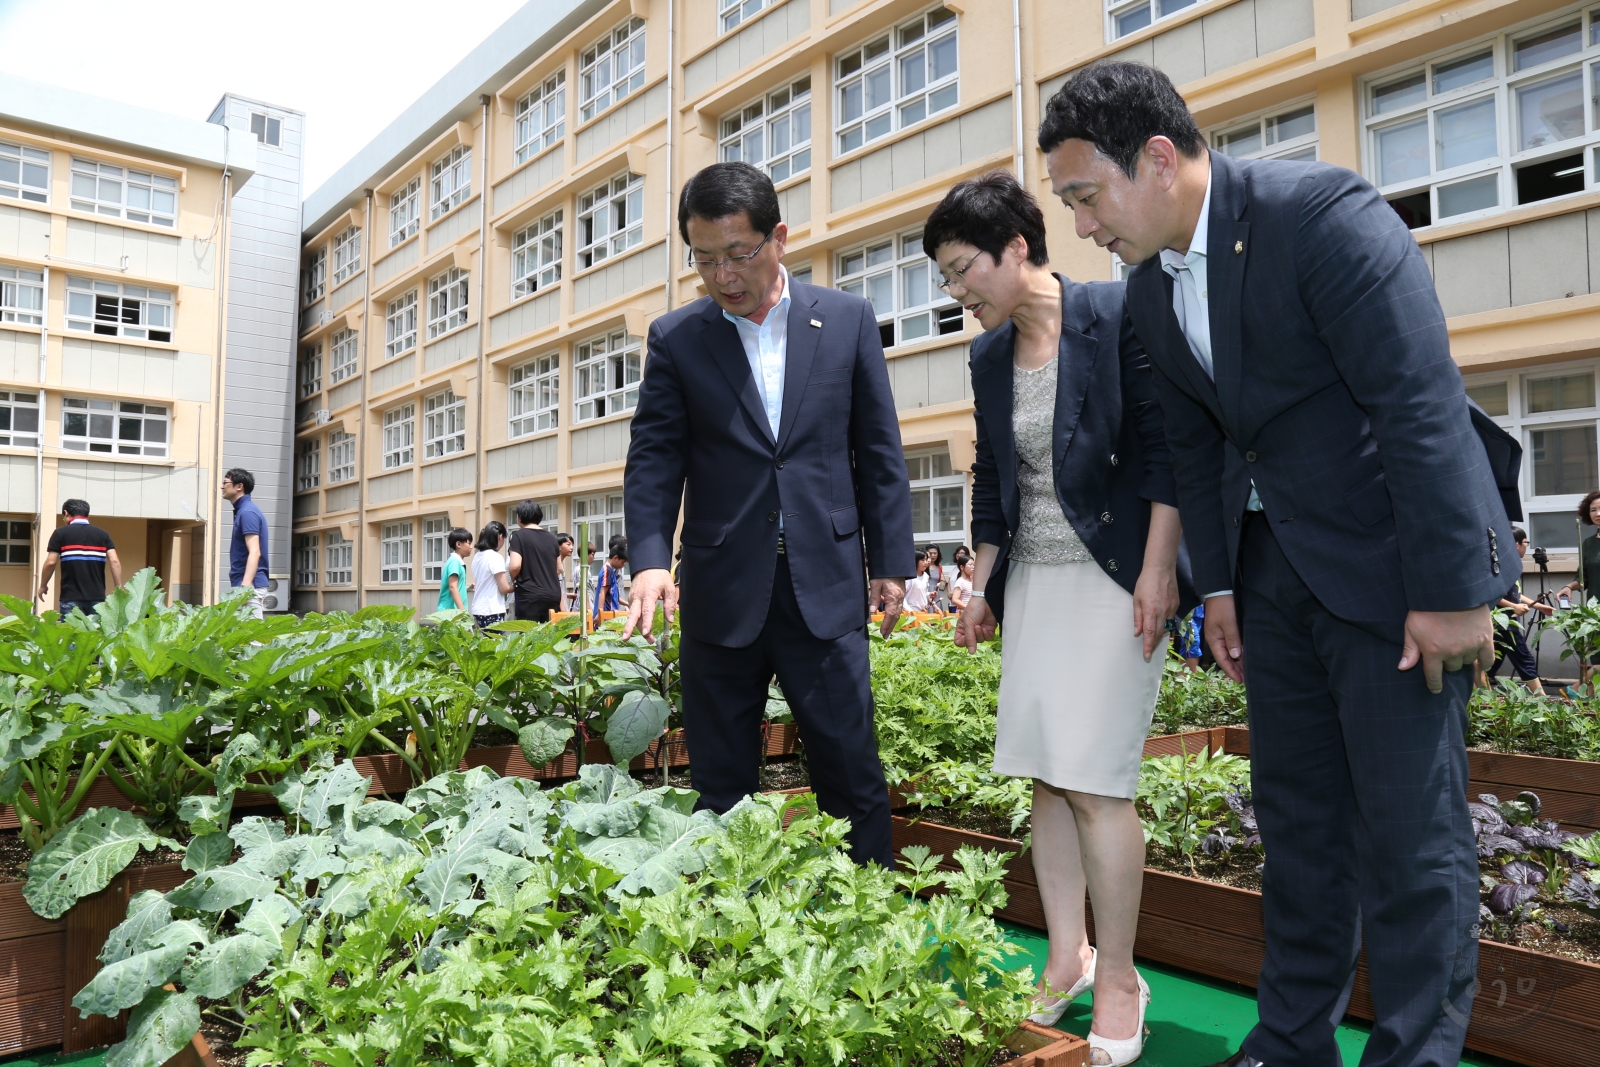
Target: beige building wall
{"x":1516,"y":255}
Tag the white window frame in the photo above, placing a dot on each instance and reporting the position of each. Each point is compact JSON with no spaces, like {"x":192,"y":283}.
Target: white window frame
{"x":344,"y":355}
{"x":541,"y":118}
{"x":405,"y":212}
{"x":21,"y":296}
{"x":447,"y":302}
{"x":24,"y":173}
{"x":123,"y":193}
{"x":346,"y":254}
{"x":308,"y":465}
{"x":19,"y":419}
{"x":768,"y":132}
{"x":395,"y":548}
{"x":612,"y":68}
{"x":399,"y":437}
{"x":400,"y":325}
{"x":935,"y":481}
{"x":338,"y":559}
{"x":733,"y":13}
{"x":267,"y":129}
{"x":1275,"y":134}
{"x":106,"y":426}
{"x":450,"y":181}
{"x":610,"y":219}
{"x":894,"y":270}
{"x":536,"y":256}
{"x":603,"y":512}
{"x":444,"y":425}
{"x":309,"y":370}
{"x":533,"y":400}
{"x":1130,"y":16}
{"x":314,"y":285}
{"x":341,"y":457}
{"x":306,"y":571}
{"x":113,"y":309}
{"x":435,"y":550}
{"x":605,"y":376}
{"x":890,"y":62}
{"x":1453,"y":188}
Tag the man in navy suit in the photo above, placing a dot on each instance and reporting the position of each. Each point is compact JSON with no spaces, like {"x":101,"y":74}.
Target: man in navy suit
{"x":765,"y":408}
{"x":1339,"y":507}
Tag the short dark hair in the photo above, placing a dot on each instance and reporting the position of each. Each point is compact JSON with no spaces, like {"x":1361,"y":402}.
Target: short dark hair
{"x":240,"y":476}
{"x":78,"y":509}
{"x":1518,"y":534}
{"x":563,"y":539}
{"x":724,"y":189}
{"x":987,"y":213}
{"x":489,"y":536}
{"x":456,"y":536}
{"x":618,"y":550}
{"x":1117,"y":107}
{"x":529,"y":513}
{"x":1584,"y":505}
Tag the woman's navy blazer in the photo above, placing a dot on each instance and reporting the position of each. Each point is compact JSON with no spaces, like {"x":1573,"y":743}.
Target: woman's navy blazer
{"x":1111,"y":458}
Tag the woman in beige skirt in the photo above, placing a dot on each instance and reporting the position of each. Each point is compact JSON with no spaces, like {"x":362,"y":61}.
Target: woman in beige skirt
{"x":1074,"y":515}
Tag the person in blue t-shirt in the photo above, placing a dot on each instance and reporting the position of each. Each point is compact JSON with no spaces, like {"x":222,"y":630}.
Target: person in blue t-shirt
{"x":247,"y":556}
{"x":608,"y":591}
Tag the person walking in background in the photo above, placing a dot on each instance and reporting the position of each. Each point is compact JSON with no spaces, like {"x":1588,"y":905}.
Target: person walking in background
{"x":1074,"y":515}
{"x":935,"y":576}
{"x":917,"y":598}
{"x":766,"y":414}
{"x":1511,"y":640}
{"x":608,"y":590}
{"x":1588,"y":580}
{"x":564,"y":547}
{"x":453,"y":583}
{"x":83,"y":551}
{"x":533,"y":565}
{"x":491,"y":583}
{"x":247,"y":555}
{"x":1338,"y":497}
{"x":961,"y":585}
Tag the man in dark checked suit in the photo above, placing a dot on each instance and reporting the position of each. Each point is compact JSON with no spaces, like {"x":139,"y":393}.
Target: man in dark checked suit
{"x":1337,"y":506}
{"x":766,"y":409}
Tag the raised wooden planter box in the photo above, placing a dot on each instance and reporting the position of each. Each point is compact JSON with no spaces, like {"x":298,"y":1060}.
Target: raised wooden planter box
{"x":1042,"y":1046}
{"x":1535,"y":1009}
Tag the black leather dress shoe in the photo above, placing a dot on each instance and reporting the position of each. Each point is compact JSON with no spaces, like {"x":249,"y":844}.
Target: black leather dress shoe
{"x":1240,"y":1059}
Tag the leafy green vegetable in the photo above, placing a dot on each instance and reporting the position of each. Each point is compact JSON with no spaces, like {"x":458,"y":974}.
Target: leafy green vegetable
{"x":83,"y":859}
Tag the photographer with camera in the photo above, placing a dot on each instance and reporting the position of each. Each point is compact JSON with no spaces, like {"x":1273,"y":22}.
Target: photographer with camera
{"x":1511,"y":640}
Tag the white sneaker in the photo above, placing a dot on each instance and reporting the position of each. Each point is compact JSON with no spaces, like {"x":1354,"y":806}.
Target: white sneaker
{"x":1107,"y":1052}
{"x":1050,"y":1014}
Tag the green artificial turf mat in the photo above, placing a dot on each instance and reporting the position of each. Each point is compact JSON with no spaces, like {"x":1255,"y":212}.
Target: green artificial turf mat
{"x":93,"y":1058}
{"x":1193,"y":1021}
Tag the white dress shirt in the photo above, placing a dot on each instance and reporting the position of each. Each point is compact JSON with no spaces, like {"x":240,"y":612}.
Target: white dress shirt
{"x":766,"y":346}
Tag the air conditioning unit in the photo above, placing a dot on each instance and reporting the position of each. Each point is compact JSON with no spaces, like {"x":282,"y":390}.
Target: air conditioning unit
{"x":324,"y":317}
{"x":322,"y":416}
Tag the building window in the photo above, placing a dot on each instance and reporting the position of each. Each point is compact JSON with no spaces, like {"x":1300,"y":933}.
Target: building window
{"x":16,"y":543}
{"x":773,"y":133}
{"x":901,"y":287}
{"x":801,"y":274}
{"x":305,"y":559}
{"x":1129,"y":16}
{"x":541,"y":117}
{"x":1503,"y":122}
{"x":451,"y":181}
{"x":338,"y":558}
{"x":444,"y":425}
{"x":139,"y":196}
{"x":310,"y":371}
{"x":1282,"y":134}
{"x":308,"y":465}
{"x":24,"y":173}
{"x":604,"y":516}
{"x":22,"y":296}
{"x":606,"y":376}
{"x":341,"y":457}
{"x":268,"y":130}
{"x":447,"y":302}
{"x":345,"y":348}
{"x":395,"y":548}
{"x":316,"y":276}
{"x":400,"y":325}
{"x":19,"y":419}
{"x":612,"y":68}
{"x":897,"y":80}
{"x":938,"y":496}
{"x":346,"y":254}
{"x":113,"y":310}
{"x":120,"y":427}
{"x":610,"y":219}
{"x":536,"y":256}
{"x":399,"y":436}
{"x":405,"y":212}
{"x":535,"y":395}
{"x":434,"y":549}
{"x":737,"y":11}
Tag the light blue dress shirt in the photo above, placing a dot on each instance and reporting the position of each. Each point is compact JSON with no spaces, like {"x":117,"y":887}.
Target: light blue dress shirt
{"x":766,"y":346}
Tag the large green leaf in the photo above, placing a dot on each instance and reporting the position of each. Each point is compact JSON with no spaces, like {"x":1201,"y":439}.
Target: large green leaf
{"x":679,"y":841}
{"x":126,"y":982}
{"x":223,"y":888}
{"x":208,"y":852}
{"x":157,"y":711}
{"x":132,"y":602}
{"x":223,"y":967}
{"x":314,"y":794}
{"x":83,"y":858}
{"x":157,"y":1030}
{"x":544,"y":739}
{"x":206,"y":813}
{"x":147,"y":913}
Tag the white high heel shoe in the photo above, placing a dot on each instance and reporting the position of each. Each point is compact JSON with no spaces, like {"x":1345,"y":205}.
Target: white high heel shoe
{"x":1051,"y":1015}
{"x":1110,"y":1052}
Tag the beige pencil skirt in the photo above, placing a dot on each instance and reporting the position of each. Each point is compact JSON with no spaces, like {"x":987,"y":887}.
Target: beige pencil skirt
{"x":1076,"y":694}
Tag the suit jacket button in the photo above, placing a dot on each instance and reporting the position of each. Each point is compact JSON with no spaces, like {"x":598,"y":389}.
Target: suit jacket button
{"x":780,"y":464}
{"x":1249,"y":457}
{"x":772,"y":516}
{"x":1111,"y":565}
{"x":1105,"y":518}
{"x":1236,"y":522}
{"x":1113,"y":459}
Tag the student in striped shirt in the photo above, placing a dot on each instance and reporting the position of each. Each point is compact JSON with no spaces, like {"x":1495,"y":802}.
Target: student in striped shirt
{"x":83,"y":551}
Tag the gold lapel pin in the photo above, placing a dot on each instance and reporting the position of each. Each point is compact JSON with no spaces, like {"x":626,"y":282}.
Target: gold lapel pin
{"x":1238,"y":247}
{"x":817,"y":323}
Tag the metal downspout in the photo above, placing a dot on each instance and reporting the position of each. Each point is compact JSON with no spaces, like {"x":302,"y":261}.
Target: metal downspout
{"x":207,"y":492}
{"x":483,"y":319}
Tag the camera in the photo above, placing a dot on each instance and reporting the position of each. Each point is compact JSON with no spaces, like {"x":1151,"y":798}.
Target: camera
{"x":1541,"y":557}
